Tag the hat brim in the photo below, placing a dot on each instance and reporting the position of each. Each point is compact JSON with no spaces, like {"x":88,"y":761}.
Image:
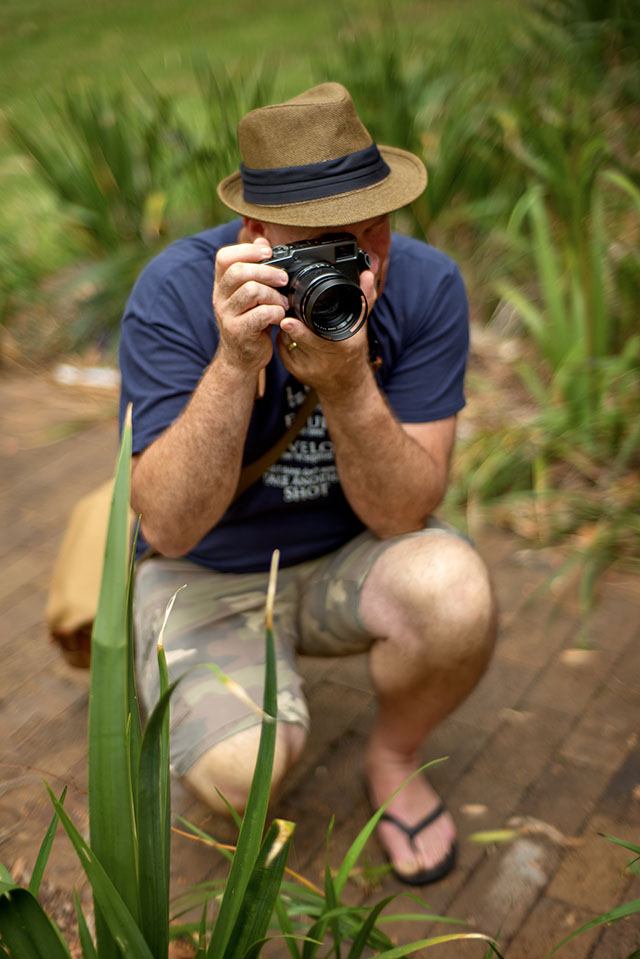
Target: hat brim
{"x":406,"y":181}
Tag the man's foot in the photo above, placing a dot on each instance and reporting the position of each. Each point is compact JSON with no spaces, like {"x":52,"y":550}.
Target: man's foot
{"x":416,"y":832}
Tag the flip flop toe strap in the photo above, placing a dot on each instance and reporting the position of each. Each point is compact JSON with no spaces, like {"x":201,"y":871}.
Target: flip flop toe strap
{"x":412,"y":831}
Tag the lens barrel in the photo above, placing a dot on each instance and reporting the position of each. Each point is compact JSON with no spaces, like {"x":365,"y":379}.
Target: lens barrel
{"x":331,"y":304}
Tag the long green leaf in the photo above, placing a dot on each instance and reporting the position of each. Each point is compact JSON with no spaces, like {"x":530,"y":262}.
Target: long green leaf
{"x":262,"y":891}
{"x":399,"y":951}
{"x":600,"y":325}
{"x":44,"y":851}
{"x":329,"y":907}
{"x":620,"y":912}
{"x":133,"y":708}
{"x":330,"y":895}
{"x":529,"y":311}
{"x":533,"y":382}
{"x":421,"y":917}
{"x":622,"y":842}
{"x":26,"y":930}
{"x":316,"y":933}
{"x":152,"y":831}
{"x":555,"y":342}
{"x":521,"y":210}
{"x":111,"y":813}
{"x":122,"y":925}
{"x":86,"y":942}
{"x":286,"y":926}
{"x":256,"y":810}
{"x":165,"y":784}
{"x":624,"y":183}
{"x":256,"y":949}
{"x":153,"y":814}
{"x":204,"y":835}
{"x":360,"y":942}
{"x":202,"y":935}
{"x":194,"y":898}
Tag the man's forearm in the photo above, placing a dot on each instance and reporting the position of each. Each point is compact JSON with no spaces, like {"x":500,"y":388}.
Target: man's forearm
{"x":391,"y":482}
{"x":185,"y":480}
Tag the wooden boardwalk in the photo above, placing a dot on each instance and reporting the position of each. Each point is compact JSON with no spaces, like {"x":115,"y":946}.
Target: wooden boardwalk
{"x":549,"y":739}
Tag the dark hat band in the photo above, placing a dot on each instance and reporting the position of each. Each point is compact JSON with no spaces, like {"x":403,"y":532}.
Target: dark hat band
{"x":311,"y":181}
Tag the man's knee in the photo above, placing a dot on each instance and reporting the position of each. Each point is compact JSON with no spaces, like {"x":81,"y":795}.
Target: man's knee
{"x":436,"y":588}
{"x":228,"y":767}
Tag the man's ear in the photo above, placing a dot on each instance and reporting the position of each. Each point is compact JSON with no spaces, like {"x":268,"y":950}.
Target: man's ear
{"x":253,"y":228}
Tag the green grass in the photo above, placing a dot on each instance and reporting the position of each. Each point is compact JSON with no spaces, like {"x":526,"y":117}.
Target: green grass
{"x":44,"y":41}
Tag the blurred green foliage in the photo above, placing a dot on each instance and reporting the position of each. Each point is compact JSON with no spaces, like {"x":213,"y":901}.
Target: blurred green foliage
{"x":526,"y":117}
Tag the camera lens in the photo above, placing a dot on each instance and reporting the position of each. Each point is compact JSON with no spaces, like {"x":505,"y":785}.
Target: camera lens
{"x":327,"y":306}
{"x":332,"y":305}
{"x":333,"y":308}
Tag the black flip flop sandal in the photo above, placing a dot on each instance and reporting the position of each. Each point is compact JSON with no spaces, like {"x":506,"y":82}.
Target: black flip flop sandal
{"x":442,"y":868}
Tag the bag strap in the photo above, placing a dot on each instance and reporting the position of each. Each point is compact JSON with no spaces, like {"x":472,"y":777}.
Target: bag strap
{"x":252,"y":472}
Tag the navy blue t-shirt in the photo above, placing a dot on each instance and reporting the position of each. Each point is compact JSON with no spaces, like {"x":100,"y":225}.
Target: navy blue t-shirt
{"x":169,"y":337}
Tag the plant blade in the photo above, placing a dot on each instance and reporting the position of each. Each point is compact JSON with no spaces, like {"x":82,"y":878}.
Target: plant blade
{"x":45,"y":849}
{"x":360,"y":941}
{"x":255,"y":814}
{"x":262,"y":891}
{"x":88,"y":948}
{"x":26,"y":930}
{"x":152,"y":830}
{"x":620,"y":912}
{"x":111,"y":813}
{"x":122,"y":925}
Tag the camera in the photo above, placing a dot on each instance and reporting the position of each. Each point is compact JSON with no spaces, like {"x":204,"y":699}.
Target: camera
{"x":324,"y":290}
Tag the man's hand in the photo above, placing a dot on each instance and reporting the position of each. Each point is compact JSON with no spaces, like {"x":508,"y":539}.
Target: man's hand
{"x":334,"y":368}
{"x":247,"y":303}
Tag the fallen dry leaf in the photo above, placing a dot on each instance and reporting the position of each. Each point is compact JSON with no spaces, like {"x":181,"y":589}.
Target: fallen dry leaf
{"x":514,"y":715}
{"x":578,"y":657}
{"x":473,"y":809}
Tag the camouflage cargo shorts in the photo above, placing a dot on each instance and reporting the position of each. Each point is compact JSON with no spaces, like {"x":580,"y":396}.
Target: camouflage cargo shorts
{"x":219,"y":618}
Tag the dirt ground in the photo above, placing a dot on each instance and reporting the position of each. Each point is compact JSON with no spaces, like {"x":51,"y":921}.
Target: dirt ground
{"x":547,"y":743}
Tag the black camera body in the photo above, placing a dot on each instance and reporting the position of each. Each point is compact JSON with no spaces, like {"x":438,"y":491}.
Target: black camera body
{"x":324,"y":289}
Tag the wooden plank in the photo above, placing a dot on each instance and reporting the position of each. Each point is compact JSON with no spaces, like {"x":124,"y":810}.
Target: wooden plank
{"x":591,"y":876}
{"x":569,"y":681}
{"x":608,"y":730}
{"x":523,"y":746}
{"x":500,"y":690}
{"x":621,"y":799}
{"x":536,"y":633}
{"x":547,"y":925}
{"x":563,"y":797}
{"x":621,"y":938}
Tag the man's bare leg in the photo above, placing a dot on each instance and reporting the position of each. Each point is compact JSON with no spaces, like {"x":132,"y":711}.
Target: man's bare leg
{"x":430,"y":598}
{"x":229,"y":766}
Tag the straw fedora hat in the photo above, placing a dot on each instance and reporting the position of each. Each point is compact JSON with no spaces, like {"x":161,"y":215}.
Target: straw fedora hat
{"x":311,"y":162}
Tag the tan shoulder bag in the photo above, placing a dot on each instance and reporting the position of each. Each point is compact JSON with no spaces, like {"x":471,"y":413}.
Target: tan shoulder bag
{"x":77,"y":572}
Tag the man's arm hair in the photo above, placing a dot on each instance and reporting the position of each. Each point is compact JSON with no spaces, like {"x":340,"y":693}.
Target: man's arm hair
{"x":394,"y":475}
{"x":185,"y":480}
